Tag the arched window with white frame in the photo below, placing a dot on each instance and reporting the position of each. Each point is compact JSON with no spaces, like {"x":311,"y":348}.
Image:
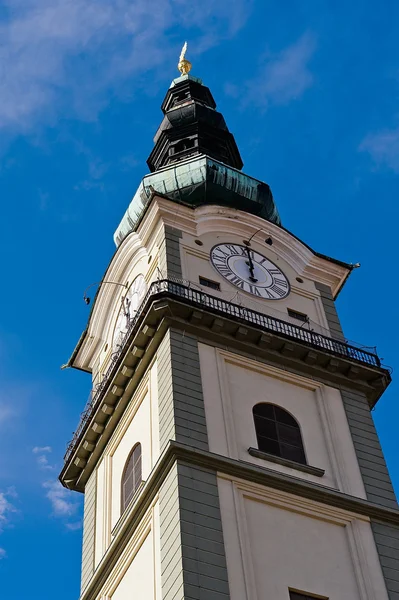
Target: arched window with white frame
{"x":278,"y":433}
{"x":131,"y":477}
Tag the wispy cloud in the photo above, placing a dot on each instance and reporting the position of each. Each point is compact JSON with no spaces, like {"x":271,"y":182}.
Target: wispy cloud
{"x":6,"y":510}
{"x":61,"y":499}
{"x":41,"y":449}
{"x":75,"y":526}
{"x":383,"y":147}
{"x":279,"y":78}
{"x":64,"y":504}
{"x":41,"y":458}
{"x":62,"y":57}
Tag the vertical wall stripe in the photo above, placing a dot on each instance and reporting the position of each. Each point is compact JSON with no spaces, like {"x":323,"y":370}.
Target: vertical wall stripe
{"x":181,"y":403}
{"x":193,"y":560}
{"x":368,"y":450}
{"x":387,"y":542}
{"x":169,"y":253}
{"x":330,"y":311}
{"x":89,"y":530}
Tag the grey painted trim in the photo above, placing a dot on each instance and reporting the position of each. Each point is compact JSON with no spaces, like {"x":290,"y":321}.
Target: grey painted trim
{"x":376,"y":479}
{"x":193,"y":560}
{"x":387,"y":542}
{"x":377,"y":484}
{"x":287,"y":463}
{"x":169,"y":253}
{"x":330,"y":311}
{"x":181,"y":403}
{"x":89,"y":530}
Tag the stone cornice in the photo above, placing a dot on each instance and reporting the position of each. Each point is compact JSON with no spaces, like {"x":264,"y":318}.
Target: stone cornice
{"x":234,"y":468}
{"x":162,"y":310}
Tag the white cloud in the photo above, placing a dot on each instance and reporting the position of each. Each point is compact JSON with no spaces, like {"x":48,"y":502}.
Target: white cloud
{"x":61,"y":57}
{"x":74,"y":526}
{"x":43,"y":463}
{"x":41,"y":459}
{"x":383,"y":147}
{"x":6,"y":508}
{"x":59,"y":497}
{"x":41,"y":449}
{"x":280,"y":78}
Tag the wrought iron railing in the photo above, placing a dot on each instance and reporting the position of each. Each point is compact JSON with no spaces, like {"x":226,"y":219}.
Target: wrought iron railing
{"x":220,"y":307}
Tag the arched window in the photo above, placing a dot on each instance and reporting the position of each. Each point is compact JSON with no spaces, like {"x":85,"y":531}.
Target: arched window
{"x":131,"y":478}
{"x":278,"y":432}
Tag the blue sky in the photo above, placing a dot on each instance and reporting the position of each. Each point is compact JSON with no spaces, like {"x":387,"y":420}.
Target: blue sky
{"x":310,"y":90}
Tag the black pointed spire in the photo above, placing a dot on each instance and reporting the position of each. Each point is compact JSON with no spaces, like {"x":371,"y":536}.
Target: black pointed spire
{"x":191,"y":125}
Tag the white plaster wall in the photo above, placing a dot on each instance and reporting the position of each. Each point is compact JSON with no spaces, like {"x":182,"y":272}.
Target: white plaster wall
{"x":137,"y":430}
{"x":232,"y":385}
{"x":275,"y":542}
{"x":139,"y":423}
{"x":138,"y":580}
{"x":137,"y":573}
{"x":304,"y":297}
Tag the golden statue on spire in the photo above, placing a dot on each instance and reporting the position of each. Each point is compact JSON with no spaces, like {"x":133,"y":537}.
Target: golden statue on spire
{"x":184,"y":65}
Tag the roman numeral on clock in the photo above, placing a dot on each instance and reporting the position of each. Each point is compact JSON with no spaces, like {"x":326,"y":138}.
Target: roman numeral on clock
{"x":277,"y":290}
{"x":252,"y":289}
{"x":281,"y":282}
{"x":250,"y":271}
{"x":236,"y":280}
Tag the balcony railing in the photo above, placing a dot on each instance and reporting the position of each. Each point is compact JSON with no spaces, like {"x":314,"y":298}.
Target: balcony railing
{"x":222,"y":308}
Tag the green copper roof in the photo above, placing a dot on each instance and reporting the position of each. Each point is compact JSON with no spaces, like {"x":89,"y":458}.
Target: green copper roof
{"x":196,"y":182}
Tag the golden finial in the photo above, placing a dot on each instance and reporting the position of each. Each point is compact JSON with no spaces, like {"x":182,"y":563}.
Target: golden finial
{"x":184,"y":65}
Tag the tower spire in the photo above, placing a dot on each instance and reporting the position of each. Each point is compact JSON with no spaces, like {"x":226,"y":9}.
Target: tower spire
{"x":184,"y":65}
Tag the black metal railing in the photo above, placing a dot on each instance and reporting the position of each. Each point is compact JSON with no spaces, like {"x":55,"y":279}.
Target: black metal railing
{"x":221,"y":307}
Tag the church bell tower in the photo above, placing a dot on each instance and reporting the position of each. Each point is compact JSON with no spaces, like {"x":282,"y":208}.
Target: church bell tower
{"x":227,"y":450}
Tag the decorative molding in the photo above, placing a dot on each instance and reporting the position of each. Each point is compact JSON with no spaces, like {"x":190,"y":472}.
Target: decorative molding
{"x":268,"y":370}
{"x":350,"y":521}
{"x":225,"y":396}
{"x":286,"y":463}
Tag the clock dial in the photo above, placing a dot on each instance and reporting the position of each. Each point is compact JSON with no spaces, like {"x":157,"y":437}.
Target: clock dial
{"x":250,"y":271}
{"x":131,"y":302}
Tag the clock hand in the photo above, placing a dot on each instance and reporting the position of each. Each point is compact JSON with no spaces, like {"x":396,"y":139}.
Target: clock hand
{"x":250,"y":265}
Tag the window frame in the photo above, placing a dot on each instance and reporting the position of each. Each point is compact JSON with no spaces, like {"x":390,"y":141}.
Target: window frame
{"x":278,"y":425}
{"x":125,"y":477}
{"x":205,"y":281}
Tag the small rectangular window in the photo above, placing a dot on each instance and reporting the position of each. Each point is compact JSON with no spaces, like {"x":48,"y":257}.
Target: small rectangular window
{"x":214,"y":285}
{"x":301,"y":596}
{"x":294,"y":314}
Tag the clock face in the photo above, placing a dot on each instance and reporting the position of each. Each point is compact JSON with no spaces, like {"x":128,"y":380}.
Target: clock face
{"x":131,"y":302}
{"x":250,"y":271}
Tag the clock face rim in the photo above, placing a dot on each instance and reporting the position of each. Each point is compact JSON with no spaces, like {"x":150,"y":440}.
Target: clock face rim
{"x":118,"y":330}
{"x":263,"y":287}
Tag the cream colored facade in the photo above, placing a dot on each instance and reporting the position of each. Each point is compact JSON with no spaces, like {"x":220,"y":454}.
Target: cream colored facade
{"x":274,"y":540}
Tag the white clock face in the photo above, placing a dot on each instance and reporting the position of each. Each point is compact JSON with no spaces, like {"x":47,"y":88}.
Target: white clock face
{"x":131,"y":302}
{"x":250,"y":271}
